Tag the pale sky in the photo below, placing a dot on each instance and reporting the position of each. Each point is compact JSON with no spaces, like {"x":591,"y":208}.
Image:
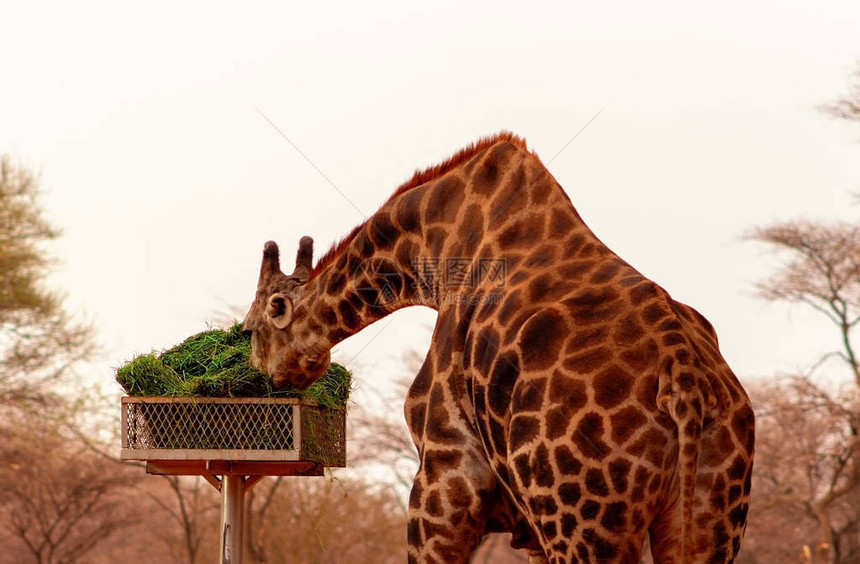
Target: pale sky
{"x":148,"y":126}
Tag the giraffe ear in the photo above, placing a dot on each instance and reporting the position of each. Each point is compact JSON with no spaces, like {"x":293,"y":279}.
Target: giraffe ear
{"x":279,"y":310}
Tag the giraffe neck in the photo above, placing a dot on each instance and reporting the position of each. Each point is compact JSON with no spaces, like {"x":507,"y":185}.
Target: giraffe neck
{"x":452,"y":240}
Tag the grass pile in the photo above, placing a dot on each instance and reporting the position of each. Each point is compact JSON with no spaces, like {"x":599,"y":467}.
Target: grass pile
{"x":215,"y":364}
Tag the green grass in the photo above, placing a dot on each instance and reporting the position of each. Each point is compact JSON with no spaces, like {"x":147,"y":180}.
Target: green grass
{"x":215,"y":364}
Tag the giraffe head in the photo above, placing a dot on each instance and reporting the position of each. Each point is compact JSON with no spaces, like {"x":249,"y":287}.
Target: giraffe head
{"x":288,"y":355}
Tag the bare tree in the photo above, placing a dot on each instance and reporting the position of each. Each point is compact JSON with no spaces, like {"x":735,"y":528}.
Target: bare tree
{"x":257,"y":504}
{"x":822,"y":272}
{"x":378,"y":436}
{"x":38,"y":340}
{"x":848,"y":106}
{"x":192,"y":510}
{"x":60,"y":501}
{"x":805,"y":484}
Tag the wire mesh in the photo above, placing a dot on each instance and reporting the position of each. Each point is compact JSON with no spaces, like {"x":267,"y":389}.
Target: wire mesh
{"x":323,"y":435}
{"x":205,"y":425}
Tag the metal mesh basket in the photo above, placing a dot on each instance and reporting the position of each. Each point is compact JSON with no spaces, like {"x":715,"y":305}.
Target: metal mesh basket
{"x":261,"y":429}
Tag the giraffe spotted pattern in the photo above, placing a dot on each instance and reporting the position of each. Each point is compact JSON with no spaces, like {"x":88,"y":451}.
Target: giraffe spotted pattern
{"x":565,"y":397}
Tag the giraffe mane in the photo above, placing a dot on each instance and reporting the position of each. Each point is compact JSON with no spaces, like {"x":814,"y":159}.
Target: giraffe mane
{"x":418,"y":178}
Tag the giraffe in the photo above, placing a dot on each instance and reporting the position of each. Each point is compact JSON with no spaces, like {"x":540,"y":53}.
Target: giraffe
{"x":565,"y":398}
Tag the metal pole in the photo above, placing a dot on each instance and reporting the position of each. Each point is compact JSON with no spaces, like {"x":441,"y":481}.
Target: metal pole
{"x":232,"y":509}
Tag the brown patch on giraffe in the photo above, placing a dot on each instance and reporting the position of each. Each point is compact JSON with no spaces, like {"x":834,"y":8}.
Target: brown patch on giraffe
{"x":576,"y":270}
{"x":594,"y":305}
{"x":523,"y":233}
{"x":348,"y":315}
{"x":501,"y":383}
{"x":433,"y":504}
{"x":523,"y":470}
{"x":628,"y":330}
{"x":643,"y":292}
{"x":529,"y":396}
{"x":742,"y":423}
{"x":651,"y":447}
{"x":545,"y":288}
{"x":486,"y":312}
{"x":408,"y":212}
{"x":567,"y":391}
{"x":586,"y":337}
{"x":541,"y":189}
{"x":715,"y":450}
{"x":646,"y":394}
{"x":471,"y":230}
{"x":604,"y":550}
{"x":542,"y":470}
{"x":606,"y":272}
{"x":435,"y":238}
{"x":588,"y":437}
{"x":549,"y":529}
{"x":674,"y":338}
{"x":328,"y":316}
{"x":612,"y":386}
{"x":641,"y":356}
{"x":619,"y":472}
{"x":540,"y":258}
{"x":588,"y":361}
{"x":440,"y":462}
{"x":518,"y":278}
{"x":498,"y":440}
{"x":444,"y":200}
{"x":406,"y":252}
{"x":509,"y":198}
{"x":541,"y":339}
{"x":561,"y":222}
{"x":566,"y":461}
{"x":336,"y":284}
{"x":570,"y":493}
{"x":511,"y":305}
{"x":614,"y":518}
{"x":486,"y":173}
{"x":589,"y":510}
{"x":595,"y":482}
{"x":626,"y":422}
{"x":438,"y":425}
{"x":382,"y":232}
{"x":543,"y":505}
{"x":640,"y":483}
{"x":484,"y":350}
{"x":557,"y":421}
{"x":735,"y":493}
{"x":524,"y":430}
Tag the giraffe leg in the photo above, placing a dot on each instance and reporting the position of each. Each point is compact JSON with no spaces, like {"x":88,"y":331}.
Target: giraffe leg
{"x":452,"y":493}
{"x":448,"y":506}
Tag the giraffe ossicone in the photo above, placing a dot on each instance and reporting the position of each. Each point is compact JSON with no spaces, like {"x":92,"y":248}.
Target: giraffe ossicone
{"x":565,"y":397}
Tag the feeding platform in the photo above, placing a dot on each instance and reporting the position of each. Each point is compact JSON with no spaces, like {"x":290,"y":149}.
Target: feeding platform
{"x":233,"y":443}
{"x":200,"y":409}
{"x":247,"y":436}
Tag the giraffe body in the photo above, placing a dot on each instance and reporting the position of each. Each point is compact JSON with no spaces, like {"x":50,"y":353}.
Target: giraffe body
{"x":565,"y":397}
